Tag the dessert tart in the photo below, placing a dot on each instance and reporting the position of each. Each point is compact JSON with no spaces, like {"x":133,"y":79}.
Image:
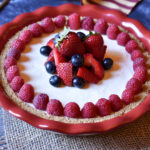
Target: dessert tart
{"x":73,"y":72}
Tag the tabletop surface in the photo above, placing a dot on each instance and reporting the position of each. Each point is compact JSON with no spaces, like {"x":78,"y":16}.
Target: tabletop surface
{"x":15,"y":7}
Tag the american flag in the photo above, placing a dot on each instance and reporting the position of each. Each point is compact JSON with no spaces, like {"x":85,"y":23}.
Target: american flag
{"x":124,"y":6}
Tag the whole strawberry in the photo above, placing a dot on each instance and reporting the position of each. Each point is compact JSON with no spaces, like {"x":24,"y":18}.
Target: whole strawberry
{"x":70,"y":45}
{"x":94,"y":44}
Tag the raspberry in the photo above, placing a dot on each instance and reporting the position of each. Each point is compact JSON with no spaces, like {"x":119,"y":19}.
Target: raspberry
{"x":12,"y":72}
{"x":140,"y":74}
{"x":72,"y":110}
{"x":136,"y":54}
{"x":115,"y":102}
{"x":138,"y":62}
{"x":16,"y":83}
{"x":131,"y":46}
{"x":101,"y":26}
{"x":127,"y":96}
{"x":26,"y":93}
{"x":87,"y":23}
{"x":123,"y":38}
{"x":134,"y":85}
{"x":13,"y":52}
{"x":18,"y":44}
{"x":36,"y":29}
{"x":26,"y":36}
{"x":60,"y":21}
{"x":103,"y":106}
{"x":40,"y":101}
{"x":9,"y":61}
{"x":74,"y":21}
{"x":112,"y":31}
{"x":89,"y":110}
{"x":54,"y":107}
{"x":48,"y":25}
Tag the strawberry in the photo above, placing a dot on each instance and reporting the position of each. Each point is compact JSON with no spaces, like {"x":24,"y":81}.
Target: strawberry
{"x":51,"y":56}
{"x":87,"y":75}
{"x":89,"y":60}
{"x":64,"y":71}
{"x":71,"y":45}
{"x":50,"y":43}
{"x":58,"y":57}
{"x":95,"y":45}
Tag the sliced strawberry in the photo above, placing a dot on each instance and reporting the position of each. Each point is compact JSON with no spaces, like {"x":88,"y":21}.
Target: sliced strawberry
{"x":58,"y":57}
{"x":64,"y":71}
{"x":95,"y":45}
{"x":50,"y":57}
{"x":89,"y":60}
{"x":87,"y":75}
{"x":51,"y":44}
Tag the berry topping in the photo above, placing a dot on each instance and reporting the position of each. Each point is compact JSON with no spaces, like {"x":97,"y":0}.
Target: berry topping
{"x":77,"y":60}
{"x":72,"y":110}
{"x":78,"y":82}
{"x":89,"y":110}
{"x":74,"y":21}
{"x":136,"y":54}
{"x":87,"y":75}
{"x":50,"y":67}
{"x":64,"y":71}
{"x":112,"y":31}
{"x":60,"y":21}
{"x":26,"y":93}
{"x":51,"y":43}
{"x":141,"y":74}
{"x":9,"y":61}
{"x":48,"y":25}
{"x":123,"y":38}
{"x":101,"y":26}
{"x":36,"y":29}
{"x":26,"y":36}
{"x":131,"y":46}
{"x":55,"y":81}
{"x":87,"y":23}
{"x":18,"y":44}
{"x":89,"y":61}
{"x":139,"y":62}
{"x":45,"y":50}
{"x":54,"y":107}
{"x":81,"y":35}
{"x":58,"y":57}
{"x":115,"y":102}
{"x":16,"y":83}
{"x":107,"y":63}
{"x":12,"y":72}
{"x":134,"y":85}
{"x":104,"y":107}
{"x":13,"y":52}
{"x":70,"y":45}
{"x":51,"y":56}
{"x":40,"y":101}
{"x":127,"y":96}
{"x":94,"y":44}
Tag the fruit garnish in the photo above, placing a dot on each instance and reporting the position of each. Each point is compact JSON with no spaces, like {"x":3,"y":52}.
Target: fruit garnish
{"x":81,"y":35}
{"x":107,"y":63}
{"x":55,"y":80}
{"x":45,"y":50}
{"x":64,"y":71}
{"x":50,"y":67}
{"x":78,"y":82}
{"x":77,"y":60}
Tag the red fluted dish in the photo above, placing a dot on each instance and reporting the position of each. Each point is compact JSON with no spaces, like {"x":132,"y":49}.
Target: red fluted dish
{"x":135,"y":27}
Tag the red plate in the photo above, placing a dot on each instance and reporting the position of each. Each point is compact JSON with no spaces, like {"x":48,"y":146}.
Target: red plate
{"x":135,"y":27}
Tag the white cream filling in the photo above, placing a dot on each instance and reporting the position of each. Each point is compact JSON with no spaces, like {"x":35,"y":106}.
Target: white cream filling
{"x":32,"y":69}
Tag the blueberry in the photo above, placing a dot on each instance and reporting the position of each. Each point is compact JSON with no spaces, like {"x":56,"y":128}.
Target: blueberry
{"x":77,"y":60}
{"x":55,"y":80}
{"x":45,"y":50}
{"x":81,"y":35}
{"x":50,"y":67}
{"x":107,"y":63}
{"x":56,"y":37}
{"x":78,"y":82}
